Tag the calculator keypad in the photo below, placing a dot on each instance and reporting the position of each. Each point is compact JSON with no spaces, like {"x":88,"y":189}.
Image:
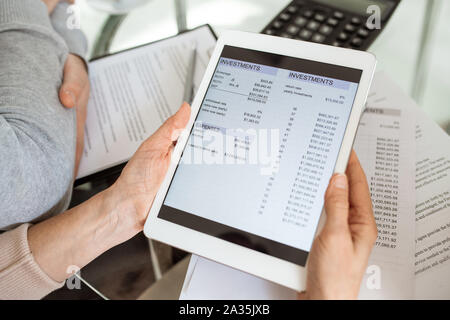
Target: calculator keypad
{"x":305,"y":34}
{"x":300,"y":21}
{"x":309,"y":22}
{"x":313,"y":25}
{"x":308,"y":13}
{"x":349,"y":28}
{"x":325,"y":29}
{"x":317,"y":37}
{"x":332,"y":22}
{"x":293,"y":29}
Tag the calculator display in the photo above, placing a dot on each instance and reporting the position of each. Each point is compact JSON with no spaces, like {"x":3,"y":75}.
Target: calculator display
{"x":359,"y":6}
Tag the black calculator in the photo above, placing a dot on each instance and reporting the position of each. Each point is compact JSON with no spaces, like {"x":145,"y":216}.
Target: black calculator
{"x":342,"y":23}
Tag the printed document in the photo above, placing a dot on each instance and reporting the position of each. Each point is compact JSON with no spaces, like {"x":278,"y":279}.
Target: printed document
{"x":386,"y":149}
{"x":432,"y":258}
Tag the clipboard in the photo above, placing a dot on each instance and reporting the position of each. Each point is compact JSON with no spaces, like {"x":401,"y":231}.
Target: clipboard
{"x":117,"y":169}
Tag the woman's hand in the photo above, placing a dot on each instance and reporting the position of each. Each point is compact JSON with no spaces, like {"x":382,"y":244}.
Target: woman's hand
{"x":111,"y":217}
{"x":135,"y":189}
{"x":74,"y":93}
{"x":339,"y":254}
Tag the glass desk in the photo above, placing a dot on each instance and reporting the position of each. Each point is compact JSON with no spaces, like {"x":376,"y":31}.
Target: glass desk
{"x":413,"y":50}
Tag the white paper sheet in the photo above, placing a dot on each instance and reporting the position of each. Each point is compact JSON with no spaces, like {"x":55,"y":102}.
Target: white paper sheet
{"x":385,"y":146}
{"x":133,"y":92}
{"x":391,"y":268}
{"x":243,"y":285}
{"x":432,"y":259}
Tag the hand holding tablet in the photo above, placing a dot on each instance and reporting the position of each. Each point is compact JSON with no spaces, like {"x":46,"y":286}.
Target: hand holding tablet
{"x":339,"y":254}
{"x":271,"y":122}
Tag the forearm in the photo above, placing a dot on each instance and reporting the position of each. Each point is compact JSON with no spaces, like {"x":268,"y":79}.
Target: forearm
{"x":37,"y":132}
{"x":79,"y":235}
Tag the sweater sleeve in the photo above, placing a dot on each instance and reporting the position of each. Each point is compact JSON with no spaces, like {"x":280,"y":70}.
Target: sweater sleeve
{"x":63,"y":21}
{"x":37,"y":134}
{"x":20,"y":275}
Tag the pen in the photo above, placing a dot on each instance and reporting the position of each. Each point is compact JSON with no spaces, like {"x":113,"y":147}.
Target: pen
{"x":189,"y":84}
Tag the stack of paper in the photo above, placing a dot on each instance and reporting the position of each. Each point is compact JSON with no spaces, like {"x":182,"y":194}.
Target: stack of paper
{"x":406,"y":157}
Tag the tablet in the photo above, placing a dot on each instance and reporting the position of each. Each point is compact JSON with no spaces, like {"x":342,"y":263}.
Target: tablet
{"x":272,"y":120}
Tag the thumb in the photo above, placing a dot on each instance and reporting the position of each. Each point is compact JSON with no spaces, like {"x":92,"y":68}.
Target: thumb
{"x":72,"y":86}
{"x":172,"y":127}
{"x":337,"y":203}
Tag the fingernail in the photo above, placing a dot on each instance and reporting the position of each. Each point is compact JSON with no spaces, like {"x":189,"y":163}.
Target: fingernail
{"x":340,"y":181}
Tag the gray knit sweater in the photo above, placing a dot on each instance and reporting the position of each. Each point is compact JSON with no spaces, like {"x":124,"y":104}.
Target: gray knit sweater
{"x":37,"y":134}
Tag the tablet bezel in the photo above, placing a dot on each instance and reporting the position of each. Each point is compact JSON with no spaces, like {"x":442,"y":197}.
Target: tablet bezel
{"x":262,"y":265}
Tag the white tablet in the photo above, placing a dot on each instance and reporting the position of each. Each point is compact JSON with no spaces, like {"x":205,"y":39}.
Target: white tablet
{"x":272,"y":120}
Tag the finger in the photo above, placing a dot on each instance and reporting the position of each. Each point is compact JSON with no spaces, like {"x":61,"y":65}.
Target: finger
{"x":336,"y":203}
{"x":361,"y":220}
{"x":75,"y":79}
{"x":172,"y":127}
{"x":359,"y":190}
{"x":81,"y":114}
{"x":81,"y":107}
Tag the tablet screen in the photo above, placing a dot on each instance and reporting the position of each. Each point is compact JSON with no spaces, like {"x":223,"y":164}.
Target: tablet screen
{"x":262,"y":150}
